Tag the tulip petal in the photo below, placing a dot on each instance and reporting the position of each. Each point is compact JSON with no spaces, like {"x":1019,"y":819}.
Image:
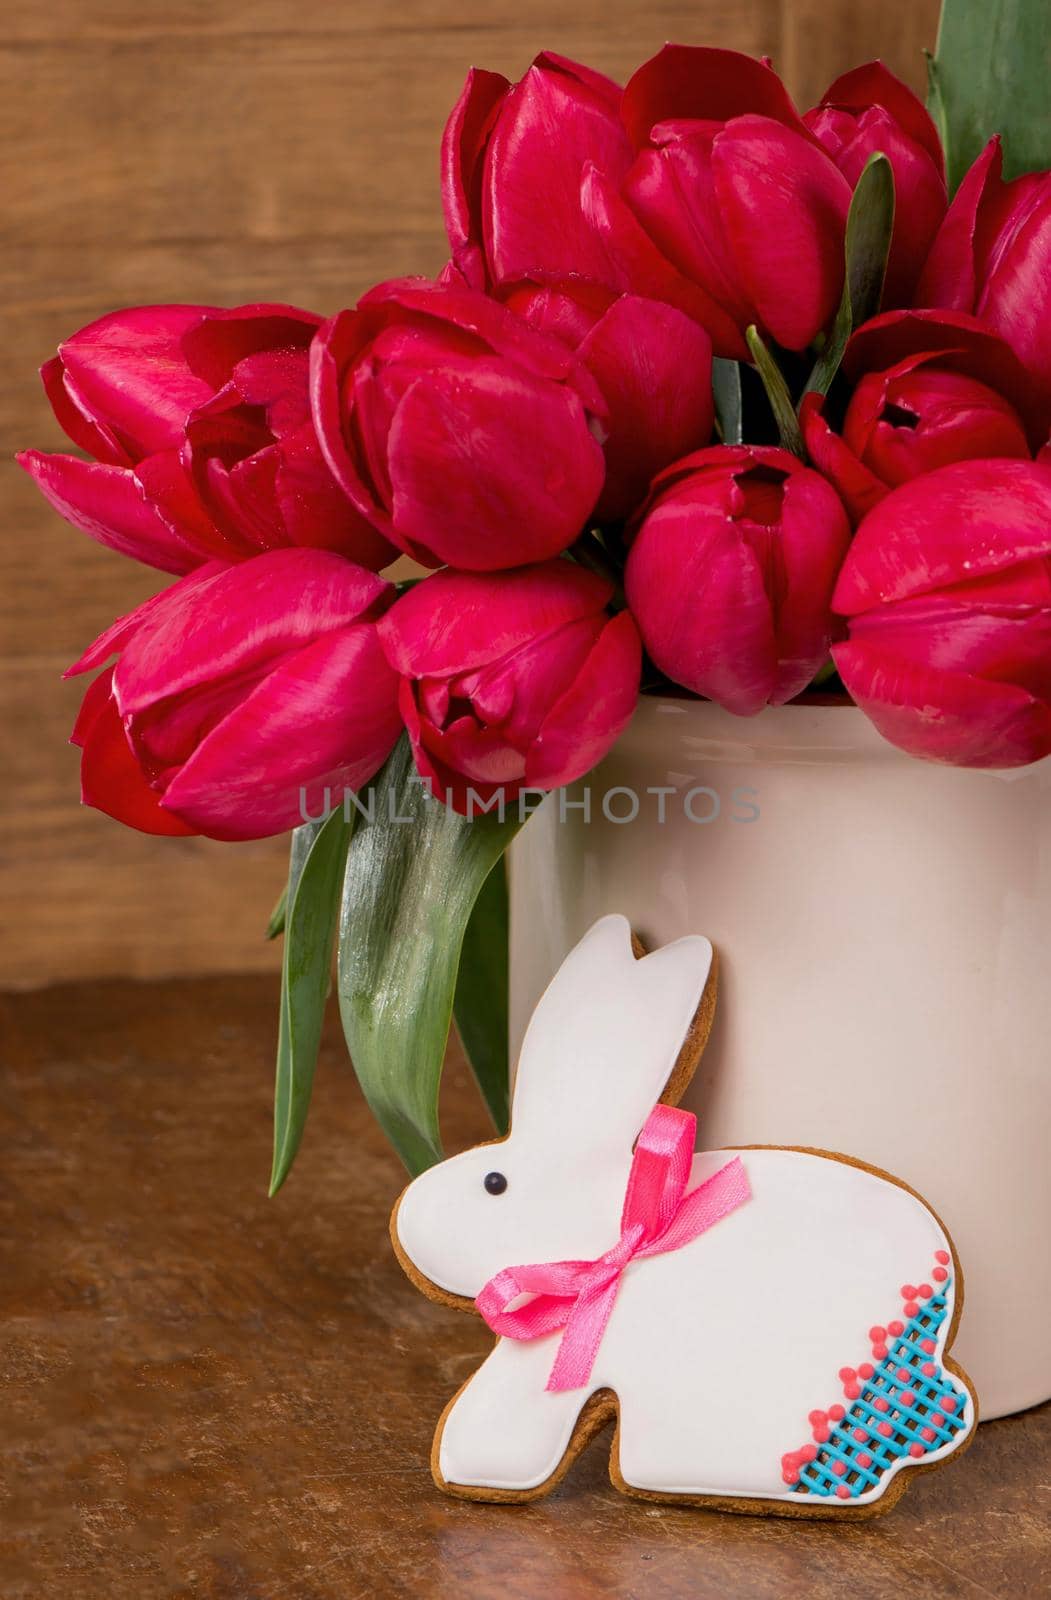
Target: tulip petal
{"x":326,"y":717}
{"x":215,"y":343}
{"x":316,"y":512}
{"x":170,"y":490}
{"x":116,"y":636}
{"x":814,"y":537}
{"x":873,"y":84}
{"x":635,"y":263}
{"x":709,"y":85}
{"x":453,"y":622}
{"x":949,"y":277}
{"x":111,"y":779}
{"x":241,"y":620}
{"x":593,"y":712}
{"x":857,"y":487}
{"x":961,"y":522}
{"x":490,"y":469}
{"x":654,"y":367}
{"x":463,"y":145}
{"x":784,"y":206}
{"x":1016,"y":296}
{"x":696,"y":590}
{"x":945,"y":716}
{"x":130,"y":369}
{"x":75,"y":419}
{"x":550,"y":124}
{"x":108,"y":504}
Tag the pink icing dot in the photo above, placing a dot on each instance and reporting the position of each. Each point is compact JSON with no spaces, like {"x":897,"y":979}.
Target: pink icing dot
{"x":908,"y":1291}
{"x":866,"y":1369}
{"x":927,"y":1346}
{"x":836,"y":1413}
{"x":808,"y":1452}
{"x":789,"y":1458}
{"x":877,"y":1334}
{"x":916,"y":1448}
{"x":843,"y":1491}
{"x":928,"y":1369}
{"x":924,"y":1291}
{"x":937,"y":1419}
{"x":942,"y":1256}
{"x":949,"y":1403}
{"x":822,"y":1435}
{"x":852,"y":1390}
{"x":886,"y":1429}
{"x":816,"y":1418}
{"x":896,"y":1328}
{"x":939,"y":1274}
{"x":839,"y":1467}
{"x":879,"y":1351}
{"x":864,"y":1460}
{"x":847,"y":1374}
{"x":860,"y":1435}
{"x":912,"y":1308}
{"x":881,"y":1404}
{"x":908,"y":1398}
{"x":927,"y":1433}
{"x":790,"y":1475}
{"x":904,"y":1374}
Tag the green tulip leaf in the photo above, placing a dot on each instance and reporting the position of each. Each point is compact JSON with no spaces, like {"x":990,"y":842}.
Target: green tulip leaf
{"x":276,"y":926}
{"x":870,"y":223}
{"x":992,"y":68}
{"x":726,"y":389}
{"x":480,"y":1003}
{"x":414,"y":872}
{"x":315,"y":881}
{"x":776,"y":392}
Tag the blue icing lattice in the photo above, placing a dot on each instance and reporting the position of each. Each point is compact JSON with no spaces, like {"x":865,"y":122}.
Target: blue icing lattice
{"x":819,"y":1477}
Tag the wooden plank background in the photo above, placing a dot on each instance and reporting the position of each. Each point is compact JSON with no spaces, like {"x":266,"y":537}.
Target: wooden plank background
{"x":272,"y":150}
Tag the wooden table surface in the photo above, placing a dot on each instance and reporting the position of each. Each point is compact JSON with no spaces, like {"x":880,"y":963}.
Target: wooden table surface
{"x":207,"y":1394}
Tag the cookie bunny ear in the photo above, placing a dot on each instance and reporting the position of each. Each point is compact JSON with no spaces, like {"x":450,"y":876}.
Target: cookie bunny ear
{"x":610,"y":1034}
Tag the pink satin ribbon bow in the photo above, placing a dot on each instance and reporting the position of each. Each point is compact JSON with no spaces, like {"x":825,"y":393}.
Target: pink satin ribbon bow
{"x":658,"y":1215}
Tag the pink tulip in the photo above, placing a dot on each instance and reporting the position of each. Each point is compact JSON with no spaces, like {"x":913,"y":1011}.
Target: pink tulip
{"x":464,"y":436}
{"x":512,"y":161}
{"x":731,"y":572}
{"x":511,"y":680}
{"x":867,"y":111}
{"x":240,"y":695}
{"x":198,"y":423}
{"x":730,"y":194}
{"x":653,"y":365}
{"x":947,"y":588}
{"x":992,"y":256}
{"x":930,"y":387}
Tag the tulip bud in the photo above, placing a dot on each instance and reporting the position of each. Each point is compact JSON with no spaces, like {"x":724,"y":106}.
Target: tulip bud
{"x":931,"y":388}
{"x":947,"y":592}
{"x":869,"y":111}
{"x":422,"y":398}
{"x":199,"y":424}
{"x":992,"y":257}
{"x":241,"y":696}
{"x":511,"y":680}
{"x":731,"y":571}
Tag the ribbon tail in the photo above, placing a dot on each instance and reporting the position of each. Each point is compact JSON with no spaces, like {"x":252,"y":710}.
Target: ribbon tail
{"x":579,"y":1344}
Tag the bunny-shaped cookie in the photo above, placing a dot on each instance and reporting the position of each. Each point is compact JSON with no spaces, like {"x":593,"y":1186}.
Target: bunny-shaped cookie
{"x":770,"y":1361}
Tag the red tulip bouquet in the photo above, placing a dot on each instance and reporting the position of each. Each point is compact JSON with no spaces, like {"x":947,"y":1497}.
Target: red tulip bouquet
{"x":711,"y":396}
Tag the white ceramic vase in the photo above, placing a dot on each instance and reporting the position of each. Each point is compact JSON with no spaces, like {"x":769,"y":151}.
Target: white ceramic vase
{"x":883,"y":926}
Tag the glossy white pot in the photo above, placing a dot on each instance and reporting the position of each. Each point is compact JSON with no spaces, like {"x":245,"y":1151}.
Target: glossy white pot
{"x":884,"y":928}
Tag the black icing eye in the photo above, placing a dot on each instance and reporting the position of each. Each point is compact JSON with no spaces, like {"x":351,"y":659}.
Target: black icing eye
{"x":495,"y":1183}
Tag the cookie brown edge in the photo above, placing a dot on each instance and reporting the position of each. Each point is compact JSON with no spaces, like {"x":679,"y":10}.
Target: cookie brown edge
{"x":603,"y":1407}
